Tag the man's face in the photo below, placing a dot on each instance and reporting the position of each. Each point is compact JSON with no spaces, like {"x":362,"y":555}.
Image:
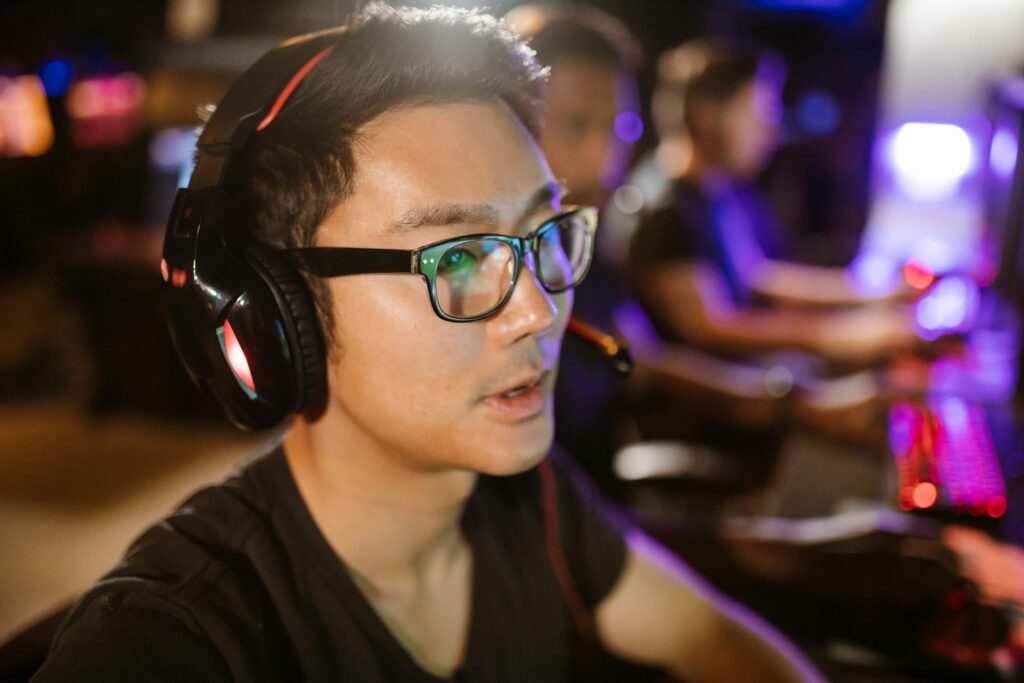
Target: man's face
{"x":749,"y":123}
{"x":583,"y":99}
{"x":424,"y":389}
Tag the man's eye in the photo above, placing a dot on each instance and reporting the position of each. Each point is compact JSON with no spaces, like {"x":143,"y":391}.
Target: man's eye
{"x":458,"y":260}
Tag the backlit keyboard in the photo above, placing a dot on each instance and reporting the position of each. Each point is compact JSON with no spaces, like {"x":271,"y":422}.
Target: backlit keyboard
{"x":945,"y":457}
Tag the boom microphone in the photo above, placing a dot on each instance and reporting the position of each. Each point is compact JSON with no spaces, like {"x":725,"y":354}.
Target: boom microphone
{"x":619,"y":357}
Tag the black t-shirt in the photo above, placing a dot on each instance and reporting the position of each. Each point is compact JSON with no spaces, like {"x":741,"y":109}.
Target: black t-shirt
{"x":239,"y":584}
{"x":730,"y":230}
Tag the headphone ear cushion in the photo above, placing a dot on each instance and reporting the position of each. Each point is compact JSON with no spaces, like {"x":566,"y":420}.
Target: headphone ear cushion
{"x":301,"y":324}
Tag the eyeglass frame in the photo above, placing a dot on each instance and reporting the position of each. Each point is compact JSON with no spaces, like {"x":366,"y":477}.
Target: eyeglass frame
{"x":328,"y":262}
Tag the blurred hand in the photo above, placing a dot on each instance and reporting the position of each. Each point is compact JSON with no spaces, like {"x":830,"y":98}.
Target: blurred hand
{"x":869,"y":333}
{"x":996,"y":568}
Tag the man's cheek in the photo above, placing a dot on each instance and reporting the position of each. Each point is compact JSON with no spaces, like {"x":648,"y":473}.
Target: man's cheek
{"x":564,"y":304}
{"x":444,"y":364}
{"x":552,"y":342}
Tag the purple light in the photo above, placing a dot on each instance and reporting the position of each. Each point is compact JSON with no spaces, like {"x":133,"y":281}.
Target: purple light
{"x":873,"y":272}
{"x":636,"y":327}
{"x":1003,"y":153}
{"x":172,"y":148}
{"x":902,"y":419}
{"x":838,"y":8}
{"x":954,"y":412}
{"x":929,"y":159}
{"x":629,"y":127}
{"x":818,"y":113}
{"x":949,"y":307}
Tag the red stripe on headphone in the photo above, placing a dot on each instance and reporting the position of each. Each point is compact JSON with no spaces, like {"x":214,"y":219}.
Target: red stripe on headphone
{"x":292,"y":84}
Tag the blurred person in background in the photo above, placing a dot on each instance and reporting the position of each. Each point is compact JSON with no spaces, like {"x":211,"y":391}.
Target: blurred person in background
{"x":591,"y":114}
{"x":591,"y":109}
{"x":590,"y":102}
{"x":401,"y":529}
{"x":707,"y":263}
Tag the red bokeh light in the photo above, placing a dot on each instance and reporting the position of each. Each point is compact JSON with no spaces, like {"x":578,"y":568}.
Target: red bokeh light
{"x":925,"y":494}
{"x":236,"y":357}
{"x":917,"y":275}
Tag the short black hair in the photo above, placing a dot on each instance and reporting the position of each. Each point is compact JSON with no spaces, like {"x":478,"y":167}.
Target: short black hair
{"x":292,"y":174}
{"x":575,"y":33}
{"x":709,"y":69}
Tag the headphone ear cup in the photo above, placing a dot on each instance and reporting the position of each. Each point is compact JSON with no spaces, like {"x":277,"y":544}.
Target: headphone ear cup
{"x":300,"y":321}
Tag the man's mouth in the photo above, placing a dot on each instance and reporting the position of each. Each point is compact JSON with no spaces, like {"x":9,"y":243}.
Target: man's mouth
{"x":525,"y":399}
{"x":523,"y":384}
{"x":521,"y":389}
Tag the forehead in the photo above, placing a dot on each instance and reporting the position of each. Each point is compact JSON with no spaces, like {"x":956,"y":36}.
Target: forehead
{"x":461,"y":153}
{"x":582,"y":82}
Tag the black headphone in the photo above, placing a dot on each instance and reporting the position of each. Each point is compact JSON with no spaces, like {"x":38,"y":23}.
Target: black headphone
{"x":240,"y":315}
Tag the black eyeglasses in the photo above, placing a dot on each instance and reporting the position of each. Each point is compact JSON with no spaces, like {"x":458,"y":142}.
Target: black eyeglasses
{"x":471,"y":277}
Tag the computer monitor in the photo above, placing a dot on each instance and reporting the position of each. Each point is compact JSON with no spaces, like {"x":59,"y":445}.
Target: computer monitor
{"x":1004,"y":186}
{"x":1004,"y":197}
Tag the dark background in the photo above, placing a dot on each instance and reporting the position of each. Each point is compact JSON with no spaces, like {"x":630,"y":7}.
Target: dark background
{"x":88,"y":221}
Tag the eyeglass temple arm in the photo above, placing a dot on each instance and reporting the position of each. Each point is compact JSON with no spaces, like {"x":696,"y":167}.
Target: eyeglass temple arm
{"x":335,"y":261}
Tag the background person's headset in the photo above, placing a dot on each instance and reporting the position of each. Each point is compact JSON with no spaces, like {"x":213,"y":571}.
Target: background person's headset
{"x":240,"y":315}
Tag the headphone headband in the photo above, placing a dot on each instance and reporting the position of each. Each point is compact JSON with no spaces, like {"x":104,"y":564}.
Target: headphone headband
{"x":252,"y":102}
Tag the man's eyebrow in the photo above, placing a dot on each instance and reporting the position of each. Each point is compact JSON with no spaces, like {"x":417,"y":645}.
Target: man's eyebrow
{"x":453,"y":214}
{"x":446,"y":214}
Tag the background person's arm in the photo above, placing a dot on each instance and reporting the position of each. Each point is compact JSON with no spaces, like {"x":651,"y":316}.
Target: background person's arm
{"x":797,"y":284}
{"x":691,"y":298}
{"x":660,"y":613}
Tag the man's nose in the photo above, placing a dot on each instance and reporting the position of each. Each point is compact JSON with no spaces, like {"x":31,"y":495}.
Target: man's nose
{"x":530,"y":311}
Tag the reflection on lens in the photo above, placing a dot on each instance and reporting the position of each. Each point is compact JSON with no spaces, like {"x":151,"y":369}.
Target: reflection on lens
{"x":473,"y":277}
{"x":565,"y":251}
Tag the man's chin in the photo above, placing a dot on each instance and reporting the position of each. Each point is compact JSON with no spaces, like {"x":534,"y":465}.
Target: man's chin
{"x":512,"y":462}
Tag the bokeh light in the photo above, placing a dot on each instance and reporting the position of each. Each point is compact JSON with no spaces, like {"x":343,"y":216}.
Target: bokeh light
{"x":26,"y":129}
{"x":929,"y":159}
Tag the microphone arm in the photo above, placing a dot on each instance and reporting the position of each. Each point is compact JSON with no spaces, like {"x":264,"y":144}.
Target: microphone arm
{"x":619,"y":357}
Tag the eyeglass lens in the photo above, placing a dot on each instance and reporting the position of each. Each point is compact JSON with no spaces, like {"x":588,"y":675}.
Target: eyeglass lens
{"x":564,"y":252}
{"x":474,"y":277}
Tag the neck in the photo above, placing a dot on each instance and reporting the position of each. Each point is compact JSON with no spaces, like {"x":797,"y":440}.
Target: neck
{"x":388,"y":518}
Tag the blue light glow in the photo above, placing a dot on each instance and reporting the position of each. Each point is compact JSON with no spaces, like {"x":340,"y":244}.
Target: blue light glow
{"x":1003,"y":153}
{"x":837,"y":8}
{"x":818,"y":113}
{"x":172,"y":149}
{"x":56,"y":76}
{"x":949,"y":307}
{"x":629,"y":127}
{"x":873,"y":272}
